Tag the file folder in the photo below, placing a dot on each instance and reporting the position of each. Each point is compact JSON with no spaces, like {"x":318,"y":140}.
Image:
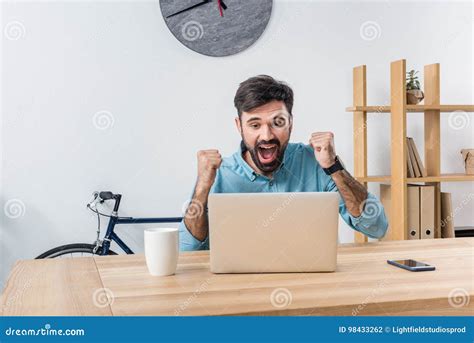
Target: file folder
{"x":427,"y":209}
{"x":413,"y":213}
{"x":413,"y":210}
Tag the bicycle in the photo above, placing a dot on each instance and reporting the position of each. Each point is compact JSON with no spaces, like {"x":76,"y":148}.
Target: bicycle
{"x":102,"y":247}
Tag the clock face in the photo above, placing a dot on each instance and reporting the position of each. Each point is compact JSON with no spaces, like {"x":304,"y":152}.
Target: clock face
{"x":216,"y":27}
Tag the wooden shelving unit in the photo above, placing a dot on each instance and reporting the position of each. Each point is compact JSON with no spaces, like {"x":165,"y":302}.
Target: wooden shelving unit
{"x":440,"y":178}
{"x":398,"y":109}
{"x":412,"y":108}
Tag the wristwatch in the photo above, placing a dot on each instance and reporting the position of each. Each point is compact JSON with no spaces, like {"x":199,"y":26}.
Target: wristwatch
{"x":338,"y":165}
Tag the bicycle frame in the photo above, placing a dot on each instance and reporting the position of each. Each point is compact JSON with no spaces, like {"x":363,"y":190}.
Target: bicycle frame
{"x":110,"y":235}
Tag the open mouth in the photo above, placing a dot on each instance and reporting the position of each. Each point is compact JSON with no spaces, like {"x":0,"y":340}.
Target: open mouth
{"x":267,"y":153}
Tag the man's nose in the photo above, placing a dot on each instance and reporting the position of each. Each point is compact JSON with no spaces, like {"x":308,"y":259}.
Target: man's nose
{"x":266,"y":134}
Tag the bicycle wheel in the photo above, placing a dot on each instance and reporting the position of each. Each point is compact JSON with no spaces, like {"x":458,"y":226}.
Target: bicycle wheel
{"x":73,"y":250}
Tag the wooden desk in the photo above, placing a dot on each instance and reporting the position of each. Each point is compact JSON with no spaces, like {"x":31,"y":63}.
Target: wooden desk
{"x":364,"y":284}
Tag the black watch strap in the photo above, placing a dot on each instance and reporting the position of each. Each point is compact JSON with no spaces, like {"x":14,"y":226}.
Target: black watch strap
{"x":335,"y":167}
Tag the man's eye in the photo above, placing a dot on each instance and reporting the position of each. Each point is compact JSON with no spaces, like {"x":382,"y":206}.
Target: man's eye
{"x":279,"y":122}
{"x":254,"y":126}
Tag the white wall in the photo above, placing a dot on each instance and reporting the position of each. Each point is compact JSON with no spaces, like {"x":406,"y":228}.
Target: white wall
{"x":67,"y":61}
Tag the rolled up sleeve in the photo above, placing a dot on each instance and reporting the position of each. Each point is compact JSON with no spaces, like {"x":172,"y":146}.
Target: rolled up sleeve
{"x":187,"y":242}
{"x":372,"y":222}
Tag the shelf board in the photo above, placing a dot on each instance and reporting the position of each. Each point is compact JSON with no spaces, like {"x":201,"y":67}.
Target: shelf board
{"x":442,"y":178}
{"x":413,"y":108}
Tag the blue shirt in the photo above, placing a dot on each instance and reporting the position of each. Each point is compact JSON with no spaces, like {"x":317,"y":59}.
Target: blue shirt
{"x":299,"y":172}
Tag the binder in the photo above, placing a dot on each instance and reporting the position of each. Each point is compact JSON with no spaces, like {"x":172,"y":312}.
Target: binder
{"x":427,"y":209}
{"x":447,"y":225}
{"x":413,"y":205}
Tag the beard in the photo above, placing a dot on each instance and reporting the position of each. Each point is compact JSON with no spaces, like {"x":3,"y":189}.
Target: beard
{"x":257,"y":153}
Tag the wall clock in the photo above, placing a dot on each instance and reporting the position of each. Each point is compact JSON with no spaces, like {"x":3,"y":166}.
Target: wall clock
{"x":216,"y":27}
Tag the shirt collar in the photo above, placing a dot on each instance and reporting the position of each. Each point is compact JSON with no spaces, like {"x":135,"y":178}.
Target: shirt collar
{"x":251,"y":174}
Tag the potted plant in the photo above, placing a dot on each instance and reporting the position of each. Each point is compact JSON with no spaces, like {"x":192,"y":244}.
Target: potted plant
{"x":414,"y":93}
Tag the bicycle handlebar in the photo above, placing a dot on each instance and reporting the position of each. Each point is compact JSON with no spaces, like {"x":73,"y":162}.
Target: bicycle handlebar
{"x":107,"y":195}
{"x":103,"y":196}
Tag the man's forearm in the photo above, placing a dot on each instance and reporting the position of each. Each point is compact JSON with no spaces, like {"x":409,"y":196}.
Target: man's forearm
{"x":195,"y":217}
{"x":352,"y":191}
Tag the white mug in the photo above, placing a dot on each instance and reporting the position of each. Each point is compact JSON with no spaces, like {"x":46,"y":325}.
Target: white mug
{"x":161,"y":250}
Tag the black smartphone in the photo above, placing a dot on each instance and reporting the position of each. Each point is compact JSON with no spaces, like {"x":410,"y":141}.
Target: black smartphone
{"x":411,"y":265}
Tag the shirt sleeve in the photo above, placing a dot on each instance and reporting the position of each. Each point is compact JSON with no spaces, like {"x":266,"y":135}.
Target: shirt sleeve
{"x":187,"y":242}
{"x":372,"y":222}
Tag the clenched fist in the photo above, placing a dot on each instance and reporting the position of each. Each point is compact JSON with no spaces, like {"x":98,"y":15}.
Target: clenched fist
{"x":208,"y":163}
{"x":323,"y":145}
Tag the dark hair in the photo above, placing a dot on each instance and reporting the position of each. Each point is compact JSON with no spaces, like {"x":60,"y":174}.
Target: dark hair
{"x":259,"y":90}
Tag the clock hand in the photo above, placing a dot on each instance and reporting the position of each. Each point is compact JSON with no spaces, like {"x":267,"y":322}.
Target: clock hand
{"x":189,"y":8}
{"x":220,"y":7}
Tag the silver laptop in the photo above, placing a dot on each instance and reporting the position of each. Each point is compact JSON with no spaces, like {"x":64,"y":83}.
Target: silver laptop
{"x":273,"y":232}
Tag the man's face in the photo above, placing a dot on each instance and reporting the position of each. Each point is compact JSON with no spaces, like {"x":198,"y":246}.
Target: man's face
{"x":266,"y":132}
